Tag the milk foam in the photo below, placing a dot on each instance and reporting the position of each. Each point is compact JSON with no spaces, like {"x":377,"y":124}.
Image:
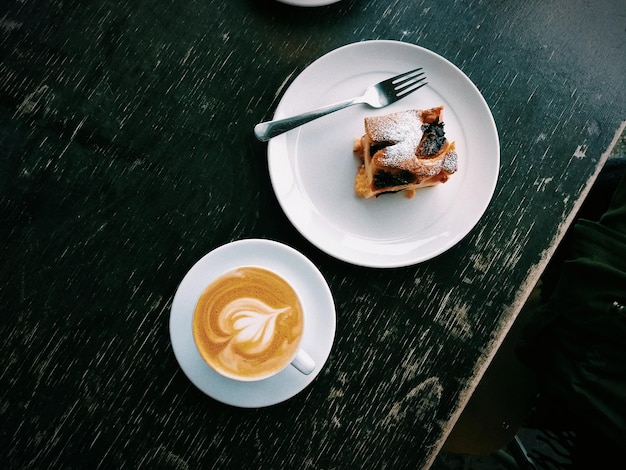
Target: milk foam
{"x":251,"y":324}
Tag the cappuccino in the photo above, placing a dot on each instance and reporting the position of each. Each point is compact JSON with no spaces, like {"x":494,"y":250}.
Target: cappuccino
{"x":248,"y":323}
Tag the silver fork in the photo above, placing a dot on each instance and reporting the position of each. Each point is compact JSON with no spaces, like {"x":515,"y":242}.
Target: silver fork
{"x":377,"y":95}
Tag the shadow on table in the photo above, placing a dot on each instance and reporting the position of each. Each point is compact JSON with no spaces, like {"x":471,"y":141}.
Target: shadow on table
{"x":563,"y":406}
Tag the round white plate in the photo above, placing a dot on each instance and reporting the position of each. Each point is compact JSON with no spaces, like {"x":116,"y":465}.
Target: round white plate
{"x":312,"y":168}
{"x":314,"y":294}
{"x":308,"y":3}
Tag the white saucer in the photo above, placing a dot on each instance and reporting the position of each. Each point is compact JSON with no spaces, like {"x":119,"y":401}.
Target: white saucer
{"x":312,"y":168}
{"x":308,"y":3}
{"x":314,"y":294}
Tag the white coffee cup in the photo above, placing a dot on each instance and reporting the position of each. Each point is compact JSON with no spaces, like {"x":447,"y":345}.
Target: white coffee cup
{"x":248,"y":324}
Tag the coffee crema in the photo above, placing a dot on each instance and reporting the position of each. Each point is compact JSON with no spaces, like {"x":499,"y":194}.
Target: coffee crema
{"x":248,"y":323}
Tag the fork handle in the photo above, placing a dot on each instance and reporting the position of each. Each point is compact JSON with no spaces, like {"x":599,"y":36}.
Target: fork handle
{"x":264,"y":131}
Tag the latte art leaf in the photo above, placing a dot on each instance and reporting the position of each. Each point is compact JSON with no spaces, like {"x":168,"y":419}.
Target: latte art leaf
{"x":252,"y":321}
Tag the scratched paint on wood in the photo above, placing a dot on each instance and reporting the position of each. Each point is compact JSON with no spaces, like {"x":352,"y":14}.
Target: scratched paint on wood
{"x":127,"y":154}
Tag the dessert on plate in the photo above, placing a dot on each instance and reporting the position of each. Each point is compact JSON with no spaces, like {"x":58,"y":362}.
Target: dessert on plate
{"x":403,"y":151}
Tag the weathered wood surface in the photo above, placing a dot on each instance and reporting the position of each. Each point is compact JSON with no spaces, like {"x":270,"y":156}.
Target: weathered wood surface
{"x":126,"y":153}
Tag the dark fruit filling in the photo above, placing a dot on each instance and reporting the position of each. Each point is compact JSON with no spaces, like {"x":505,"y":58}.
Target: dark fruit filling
{"x":384,"y":179}
{"x":378,"y":146}
{"x":433,"y":140}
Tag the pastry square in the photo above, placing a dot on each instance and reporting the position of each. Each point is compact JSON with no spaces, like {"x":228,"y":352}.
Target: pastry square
{"x":403,"y":151}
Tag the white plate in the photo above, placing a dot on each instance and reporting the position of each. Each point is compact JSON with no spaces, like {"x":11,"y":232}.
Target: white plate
{"x":312,"y":168}
{"x":308,"y":3}
{"x":314,"y":294}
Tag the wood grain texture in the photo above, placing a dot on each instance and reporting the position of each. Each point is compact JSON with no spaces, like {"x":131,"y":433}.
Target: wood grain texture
{"x":127,"y":154}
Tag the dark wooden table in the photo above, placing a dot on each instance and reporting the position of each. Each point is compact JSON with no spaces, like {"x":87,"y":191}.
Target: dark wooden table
{"x":126,"y":154}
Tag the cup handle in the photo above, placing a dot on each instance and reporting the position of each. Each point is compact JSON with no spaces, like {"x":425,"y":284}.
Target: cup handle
{"x":303,"y":362}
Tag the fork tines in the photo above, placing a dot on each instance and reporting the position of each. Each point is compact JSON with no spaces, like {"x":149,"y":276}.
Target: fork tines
{"x":409,"y":81}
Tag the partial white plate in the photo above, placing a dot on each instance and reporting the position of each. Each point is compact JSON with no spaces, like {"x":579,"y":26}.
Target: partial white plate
{"x":308,"y":3}
{"x":314,"y":294}
{"x":312,"y":168}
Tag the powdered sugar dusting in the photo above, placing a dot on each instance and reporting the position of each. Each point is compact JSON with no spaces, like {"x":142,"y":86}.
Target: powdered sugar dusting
{"x":403,"y":131}
{"x":450,"y":163}
{"x":394,"y":127}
